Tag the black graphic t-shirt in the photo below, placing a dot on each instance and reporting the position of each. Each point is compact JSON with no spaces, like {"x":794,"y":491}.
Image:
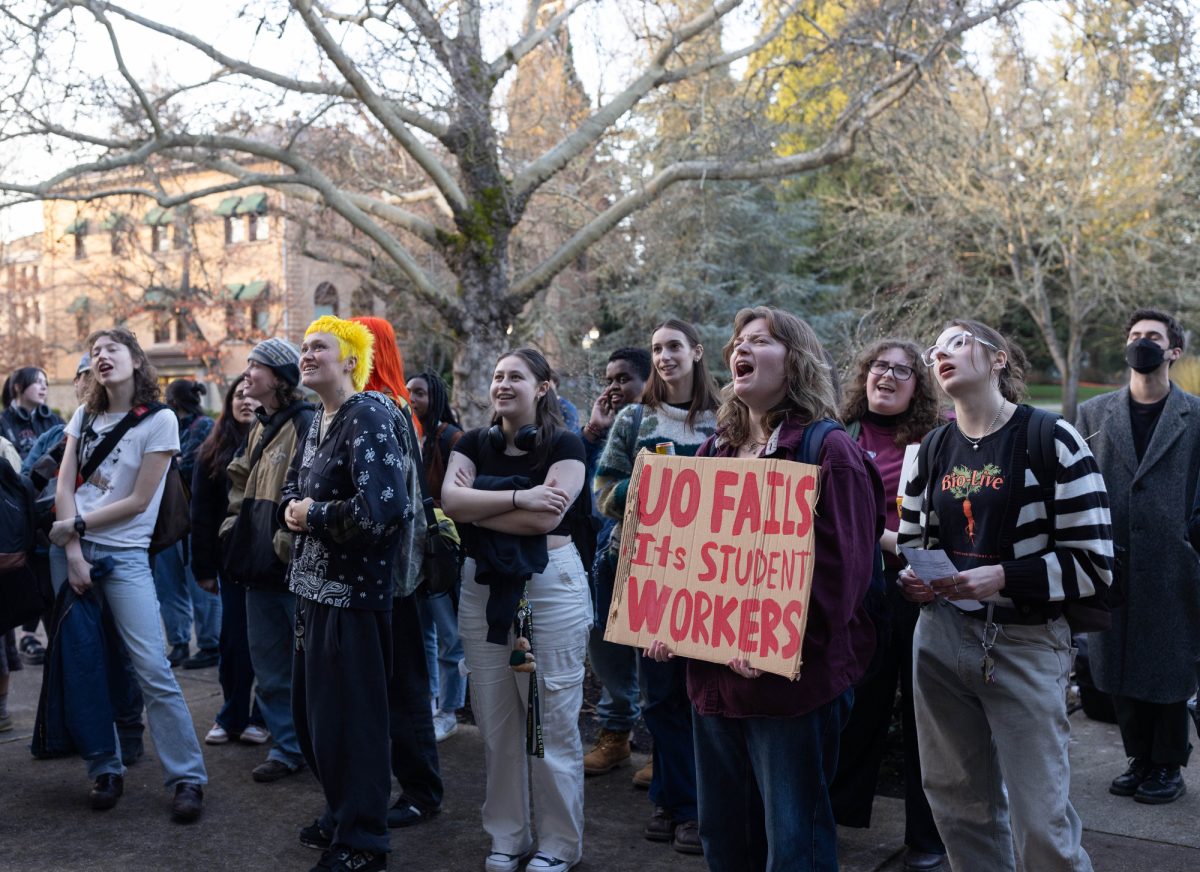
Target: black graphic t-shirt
{"x":970,"y":490}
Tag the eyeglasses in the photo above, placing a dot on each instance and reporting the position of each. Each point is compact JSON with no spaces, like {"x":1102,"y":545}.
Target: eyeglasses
{"x":899,"y":371}
{"x":953,"y":344}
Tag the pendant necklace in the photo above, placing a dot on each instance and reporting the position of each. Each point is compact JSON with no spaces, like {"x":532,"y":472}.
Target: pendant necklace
{"x":974,"y":443}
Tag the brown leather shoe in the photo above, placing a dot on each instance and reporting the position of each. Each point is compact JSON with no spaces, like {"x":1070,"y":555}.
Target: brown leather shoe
{"x":612,"y":749}
{"x":106,"y":791}
{"x":687,"y":838}
{"x":643,"y":777}
{"x":661,"y":826}
{"x":188,"y":803}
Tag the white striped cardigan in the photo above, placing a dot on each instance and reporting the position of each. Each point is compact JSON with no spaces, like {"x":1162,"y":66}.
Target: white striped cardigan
{"x":1081,"y":561}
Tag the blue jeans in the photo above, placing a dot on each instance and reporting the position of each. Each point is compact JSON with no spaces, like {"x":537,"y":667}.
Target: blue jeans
{"x":443,"y":650}
{"x":271,"y":631}
{"x":763,"y":787}
{"x":235,"y":671}
{"x":668,"y":716}
{"x":128,"y":593}
{"x":616,"y":666}
{"x":180,"y":599}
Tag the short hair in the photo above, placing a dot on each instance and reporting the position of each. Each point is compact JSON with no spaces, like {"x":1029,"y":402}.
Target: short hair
{"x":354,"y":340}
{"x":1175,"y":337}
{"x":639,"y":359}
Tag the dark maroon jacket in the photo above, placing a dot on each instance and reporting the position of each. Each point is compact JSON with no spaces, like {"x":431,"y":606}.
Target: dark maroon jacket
{"x":839,"y":639}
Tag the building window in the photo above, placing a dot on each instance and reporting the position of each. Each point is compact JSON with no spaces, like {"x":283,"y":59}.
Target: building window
{"x":235,"y":229}
{"x":235,"y":321}
{"x":81,"y":243}
{"x":260,"y":317}
{"x":115,"y":243}
{"x":160,"y":239}
{"x":325,"y":300}
{"x":179,"y":233}
{"x":83,"y":325}
{"x":162,"y":326}
{"x":257,"y":227}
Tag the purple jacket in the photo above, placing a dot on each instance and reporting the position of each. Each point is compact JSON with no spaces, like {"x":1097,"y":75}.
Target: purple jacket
{"x":840,"y":639}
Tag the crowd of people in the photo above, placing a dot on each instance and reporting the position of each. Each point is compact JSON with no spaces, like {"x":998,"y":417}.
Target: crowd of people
{"x":316,"y":491}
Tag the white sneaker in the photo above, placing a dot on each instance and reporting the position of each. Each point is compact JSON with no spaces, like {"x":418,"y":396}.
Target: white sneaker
{"x":445,"y":725}
{"x":216,"y":736}
{"x":500,"y":862}
{"x":254,"y":735}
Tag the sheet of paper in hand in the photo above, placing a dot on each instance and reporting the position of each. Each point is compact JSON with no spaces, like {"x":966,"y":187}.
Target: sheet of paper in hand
{"x":716,"y":559}
{"x":934,"y":564}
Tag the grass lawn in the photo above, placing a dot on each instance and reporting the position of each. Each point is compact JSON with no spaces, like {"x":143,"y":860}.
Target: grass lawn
{"x":1052,"y":393}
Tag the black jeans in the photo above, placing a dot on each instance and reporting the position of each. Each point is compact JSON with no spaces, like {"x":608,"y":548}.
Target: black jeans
{"x":414,"y":748}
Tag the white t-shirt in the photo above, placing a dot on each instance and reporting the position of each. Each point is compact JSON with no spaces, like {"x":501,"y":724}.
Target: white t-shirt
{"x":118,"y":472}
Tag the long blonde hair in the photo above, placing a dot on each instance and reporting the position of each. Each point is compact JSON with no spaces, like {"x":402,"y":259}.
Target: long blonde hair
{"x":809,"y":393}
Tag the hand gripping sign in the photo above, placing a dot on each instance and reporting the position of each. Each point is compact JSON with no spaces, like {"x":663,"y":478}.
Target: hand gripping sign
{"x":716,"y":559}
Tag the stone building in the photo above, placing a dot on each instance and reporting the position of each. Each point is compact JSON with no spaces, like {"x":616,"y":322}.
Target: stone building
{"x":198,"y":284}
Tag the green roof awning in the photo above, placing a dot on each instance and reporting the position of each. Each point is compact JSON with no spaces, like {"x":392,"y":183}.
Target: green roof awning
{"x":79,"y":304}
{"x":79,"y":225}
{"x":113,"y":221}
{"x":231,"y":291}
{"x":157,"y":296}
{"x":253,"y":291}
{"x":158,"y":216}
{"x":254,"y":203}
{"x":227,"y":206}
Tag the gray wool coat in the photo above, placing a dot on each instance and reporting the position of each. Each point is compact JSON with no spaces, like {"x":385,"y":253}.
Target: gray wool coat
{"x":1152,"y":650}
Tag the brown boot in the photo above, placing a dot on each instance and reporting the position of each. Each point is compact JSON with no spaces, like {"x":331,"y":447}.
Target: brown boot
{"x":612,"y":749}
{"x":645,"y":775}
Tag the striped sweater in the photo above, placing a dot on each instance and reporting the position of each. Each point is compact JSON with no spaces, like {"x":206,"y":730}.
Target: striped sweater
{"x":1079,"y":564}
{"x":662,"y":424}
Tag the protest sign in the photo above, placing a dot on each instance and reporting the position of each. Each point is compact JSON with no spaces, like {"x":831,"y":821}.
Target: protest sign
{"x":716,"y":559}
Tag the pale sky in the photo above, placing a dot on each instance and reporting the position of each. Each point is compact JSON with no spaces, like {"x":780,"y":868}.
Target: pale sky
{"x":595,"y":29}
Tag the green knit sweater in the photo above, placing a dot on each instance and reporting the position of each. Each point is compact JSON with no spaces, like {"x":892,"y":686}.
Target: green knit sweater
{"x":661,"y":424}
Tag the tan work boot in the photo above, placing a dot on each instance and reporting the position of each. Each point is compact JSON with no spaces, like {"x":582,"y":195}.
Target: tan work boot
{"x":645,"y":775}
{"x":612,"y":749}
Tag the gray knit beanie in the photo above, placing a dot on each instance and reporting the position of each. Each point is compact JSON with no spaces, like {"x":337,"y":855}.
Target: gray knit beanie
{"x":281,"y":356}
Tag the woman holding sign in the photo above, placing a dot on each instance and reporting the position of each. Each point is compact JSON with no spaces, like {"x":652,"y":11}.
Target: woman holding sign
{"x":890,"y":404}
{"x":677,"y":413}
{"x":525,"y":613}
{"x":992,"y":725}
{"x":766,"y":747}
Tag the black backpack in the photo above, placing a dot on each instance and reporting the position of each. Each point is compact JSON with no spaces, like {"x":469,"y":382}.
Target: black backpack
{"x":1088,"y":615}
{"x":21,"y":599}
{"x":875,"y":600}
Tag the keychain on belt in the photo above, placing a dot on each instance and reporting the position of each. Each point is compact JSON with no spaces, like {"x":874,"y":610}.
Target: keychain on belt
{"x":988,"y":665}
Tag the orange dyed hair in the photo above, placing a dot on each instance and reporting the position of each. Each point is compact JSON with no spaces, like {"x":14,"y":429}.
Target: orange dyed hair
{"x":387,"y":370}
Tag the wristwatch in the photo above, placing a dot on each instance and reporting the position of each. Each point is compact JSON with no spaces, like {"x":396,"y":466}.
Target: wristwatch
{"x":80,"y":527}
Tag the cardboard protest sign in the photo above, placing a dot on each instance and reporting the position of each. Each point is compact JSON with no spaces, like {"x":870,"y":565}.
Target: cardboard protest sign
{"x":716,"y":559}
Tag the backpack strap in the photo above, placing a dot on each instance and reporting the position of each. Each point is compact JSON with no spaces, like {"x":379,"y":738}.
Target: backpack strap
{"x":814,"y":438}
{"x":270,"y":430}
{"x":1043,"y":459}
{"x":132,"y":417}
{"x":930,"y":447}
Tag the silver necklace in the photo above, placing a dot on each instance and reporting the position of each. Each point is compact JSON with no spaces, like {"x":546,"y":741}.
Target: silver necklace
{"x":974,"y":443}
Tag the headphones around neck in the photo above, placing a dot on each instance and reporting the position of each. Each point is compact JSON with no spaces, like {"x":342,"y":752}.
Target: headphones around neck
{"x":525,"y":440}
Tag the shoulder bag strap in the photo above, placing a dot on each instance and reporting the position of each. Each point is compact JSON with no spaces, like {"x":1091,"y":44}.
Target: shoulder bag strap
{"x":132,"y":417}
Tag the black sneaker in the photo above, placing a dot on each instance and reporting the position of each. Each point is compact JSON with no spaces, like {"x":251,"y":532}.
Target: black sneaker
{"x":202,"y":659}
{"x":661,"y":826}
{"x":188,"y":804}
{"x":1164,"y":785}
{"x":312,"y":836}
{"x":1128,"y":782}
{"x":348,"y":860}
{"x":178,"y":654}
{"x":32,"y":652}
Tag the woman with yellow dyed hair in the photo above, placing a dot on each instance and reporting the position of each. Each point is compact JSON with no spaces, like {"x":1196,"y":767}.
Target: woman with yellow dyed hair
{"x":347,"y":502}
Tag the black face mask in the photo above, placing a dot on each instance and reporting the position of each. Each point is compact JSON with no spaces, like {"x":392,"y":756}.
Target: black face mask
{"x":1144,"y":356}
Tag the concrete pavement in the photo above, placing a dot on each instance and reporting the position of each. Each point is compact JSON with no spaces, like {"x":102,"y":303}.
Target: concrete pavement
{"x":47,"y":826}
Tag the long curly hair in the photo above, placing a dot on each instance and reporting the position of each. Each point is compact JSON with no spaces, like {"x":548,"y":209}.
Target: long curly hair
{"x":810,"y":393}
{"x":923,"y":412}
{"x":145,"y":376}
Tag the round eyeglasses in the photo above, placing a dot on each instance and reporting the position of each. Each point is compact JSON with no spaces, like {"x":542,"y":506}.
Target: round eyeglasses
{"x":953,"y":344}
{"x":899,"y":371}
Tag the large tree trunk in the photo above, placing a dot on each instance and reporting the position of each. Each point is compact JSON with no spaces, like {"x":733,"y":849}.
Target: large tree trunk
{"x":483,"y":285}
{"x":1070,"y":391}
